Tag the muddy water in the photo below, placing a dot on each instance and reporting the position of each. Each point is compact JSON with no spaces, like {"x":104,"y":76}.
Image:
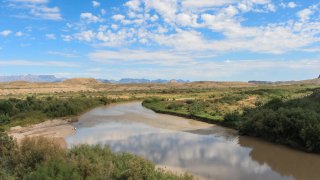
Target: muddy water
{"x":209,"y":151}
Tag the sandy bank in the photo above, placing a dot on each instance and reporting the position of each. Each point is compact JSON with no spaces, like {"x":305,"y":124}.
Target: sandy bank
{"x":57,"y":129}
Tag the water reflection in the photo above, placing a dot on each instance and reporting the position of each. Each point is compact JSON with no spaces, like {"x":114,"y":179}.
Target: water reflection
{"x":286,"y":161}
{"x":211,"y":152}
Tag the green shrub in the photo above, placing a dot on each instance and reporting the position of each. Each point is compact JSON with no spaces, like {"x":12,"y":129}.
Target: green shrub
{"x":44,"y":159}
{"x":295,"y":123}
{"x":4,"y":119}
{"x":174,"y":105}
{"x":196,"y":107}
{"x":58,"y":170}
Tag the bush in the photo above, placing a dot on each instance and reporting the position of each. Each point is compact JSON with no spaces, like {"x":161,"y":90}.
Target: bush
{"x":232,"y":119}
{"x":15,"y":112}
{"x":196,"y":107}
{"x":295,"y":123}
{"x":4,"y":119}
{"x":43,"y":159}
{"x":174,"y":106}
{"x":55,"y":170}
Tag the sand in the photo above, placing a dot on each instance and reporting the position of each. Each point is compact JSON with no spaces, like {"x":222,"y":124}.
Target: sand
{"x":57,"y":129}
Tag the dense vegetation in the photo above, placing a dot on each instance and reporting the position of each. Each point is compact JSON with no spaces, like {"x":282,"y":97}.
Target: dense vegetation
{"x":32,"y":110}
{"x":43,"y":159}
{"x":288,"y":116}
{"x":295,"y":122}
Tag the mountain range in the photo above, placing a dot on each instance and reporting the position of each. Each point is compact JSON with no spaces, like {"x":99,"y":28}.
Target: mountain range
{"x":52,"y":78}
{"x":142,"y":81}
{"x":31,"y":78}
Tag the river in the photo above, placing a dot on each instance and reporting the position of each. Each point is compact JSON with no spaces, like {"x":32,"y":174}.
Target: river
{"x":206,"y":150}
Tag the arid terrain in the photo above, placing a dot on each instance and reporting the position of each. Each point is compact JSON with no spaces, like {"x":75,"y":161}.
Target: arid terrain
{"x":91,"y":85}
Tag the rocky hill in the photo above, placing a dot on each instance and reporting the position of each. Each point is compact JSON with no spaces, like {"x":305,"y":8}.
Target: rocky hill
{"x":81,"y":81}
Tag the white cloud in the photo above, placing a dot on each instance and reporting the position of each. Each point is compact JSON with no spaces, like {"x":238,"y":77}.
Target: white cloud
{"x":51,"y":36}
{"x":140,"y":57}
{"x":103,"y":11}
{"x":205,"y":3}
{"x":292,"y":5}
{"x":85,"y":36}
{"x":102,"y":28}
{"x":178,"y":25}
{"x":37,"y":9}
{"x":63,"y":54}
{"x":114,"y":26}
{"x":133,"y":5}
{"x":305,"y":14}
{"x":19,"y":34}
{"x":186,"y":65}
{"x":5,"y":33}
{"x":90,"y":18}
{"x":118,"y":17}
{"x":32,"y":1}
{"x":5,"y":63}
{"x":66,"y":38}
{"x":116,"y":39}
{"x":95,"y":4}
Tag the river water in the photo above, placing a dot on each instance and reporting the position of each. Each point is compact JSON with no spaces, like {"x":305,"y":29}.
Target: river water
{"x":209,"y":151}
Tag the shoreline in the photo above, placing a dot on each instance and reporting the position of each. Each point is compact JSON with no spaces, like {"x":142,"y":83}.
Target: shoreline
{"x":55,"y":129}
{"x":191,"y":117}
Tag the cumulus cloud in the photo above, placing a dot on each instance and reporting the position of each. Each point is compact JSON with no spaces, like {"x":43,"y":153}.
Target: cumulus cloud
{"x":292,"y":5}
{"x":90,"y":18}
{"x":193,"y":25}
{"x":306,"y":13}
{"x":85,"y":36}
{"x":95,"y":4}
{"x":118,"y":17}
{"x":5,"y":33}
{"x":36,"y":9}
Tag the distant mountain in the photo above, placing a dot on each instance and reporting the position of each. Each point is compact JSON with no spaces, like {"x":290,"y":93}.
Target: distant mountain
{"x":52,"y":78}
{"x":309,"y":81}
{"x":133,"y":81}
{"x":261,"y":82}
{"x":31,"y":78}
{"x":140,"y":81}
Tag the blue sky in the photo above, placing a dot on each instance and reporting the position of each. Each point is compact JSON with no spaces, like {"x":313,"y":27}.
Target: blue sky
{"x":223,"y":40}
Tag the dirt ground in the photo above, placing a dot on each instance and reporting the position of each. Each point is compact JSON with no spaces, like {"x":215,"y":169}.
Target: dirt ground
{"x":57,"y":129}
{"x":91,"y":85}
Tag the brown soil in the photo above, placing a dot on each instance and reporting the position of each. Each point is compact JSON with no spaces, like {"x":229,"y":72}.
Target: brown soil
{"x":56,"y":129}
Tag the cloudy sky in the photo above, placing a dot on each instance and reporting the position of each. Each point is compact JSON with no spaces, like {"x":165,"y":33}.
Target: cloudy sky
{"x":187,"y":39}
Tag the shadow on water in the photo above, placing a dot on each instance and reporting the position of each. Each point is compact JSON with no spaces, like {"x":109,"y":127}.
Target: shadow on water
{"x":210,"y":151}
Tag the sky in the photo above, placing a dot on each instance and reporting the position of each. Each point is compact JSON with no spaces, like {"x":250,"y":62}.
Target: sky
{"x":217,"y":40}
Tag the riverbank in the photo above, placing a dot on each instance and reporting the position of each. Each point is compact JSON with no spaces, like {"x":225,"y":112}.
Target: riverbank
{"x":189,"y":116}
{"x":56,"y":130}
{"x":294,"y":122}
